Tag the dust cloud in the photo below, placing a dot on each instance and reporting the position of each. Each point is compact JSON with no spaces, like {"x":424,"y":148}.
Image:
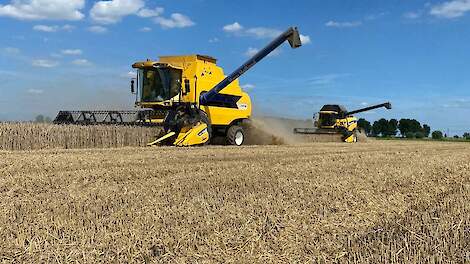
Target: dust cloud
{"x":279,"y":131}
{"x":274,"y":131}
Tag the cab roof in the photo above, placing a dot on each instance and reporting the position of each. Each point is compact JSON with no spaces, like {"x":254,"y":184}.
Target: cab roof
{"x":191,"y":57}
{"x":334,"y":108}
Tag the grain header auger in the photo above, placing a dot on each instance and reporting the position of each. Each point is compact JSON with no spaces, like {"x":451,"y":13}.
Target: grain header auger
{"x":335,"y":119}
{"x":207,"y":105}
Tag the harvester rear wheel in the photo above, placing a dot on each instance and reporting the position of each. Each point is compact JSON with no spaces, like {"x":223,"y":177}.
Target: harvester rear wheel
{"x":235,"y":135}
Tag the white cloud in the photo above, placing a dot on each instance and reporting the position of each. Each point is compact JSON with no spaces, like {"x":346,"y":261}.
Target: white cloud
{"x":44,"y":9}
{"x":343,"y":24}
{"x":235,"y":27}
{"x":54,"y":28}
{"x":131,"y":74}
{"x":305,"y":39}
{"x":45,"y":28}
{"x":214,"y":40}
{"x":81,"y":62}
{"x":56,"y":55}
{"x":457,"y":103}
{"x":252,"y":51}
{"x":10,"y":51}
{"x":451,"y":9}
{"x":375,"y":16}
{"x":110,"y":12}
{"x":35,"y":91}
{"x":248,"y":87}
{"x":8,"y":73}
{"x":97,"y":29}
{"x":176,"y":20}
{"x":45,"y":63}
{"x":144,"y":12}
{"x":71,"y":52}
{"x":262,"y":32}
{"x":145,"y":29}
{"x":258,"y":32}
{"x":412,"y":15}
{"x":327,"y":79}
{"x":68,"y":27}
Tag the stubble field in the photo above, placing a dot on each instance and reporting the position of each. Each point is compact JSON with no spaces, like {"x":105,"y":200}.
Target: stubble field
{"x":389,"y":202}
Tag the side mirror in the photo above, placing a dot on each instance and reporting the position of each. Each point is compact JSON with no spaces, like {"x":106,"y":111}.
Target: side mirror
{"x":187,"y":87}
{"x":132,"y":87}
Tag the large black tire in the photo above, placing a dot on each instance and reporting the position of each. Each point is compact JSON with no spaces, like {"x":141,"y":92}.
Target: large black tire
{"x":205,"y":119}
{"x":235,"y":135}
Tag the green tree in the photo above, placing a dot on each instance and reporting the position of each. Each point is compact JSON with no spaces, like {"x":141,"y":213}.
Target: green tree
{"x":403,"y":126}
{"x":415,"y":126}
{"x":466,"y":135}
{"x":437,"y":134}
{"x":376,"y":129}
{"x":407,"y":126}
{"x":392,"y":127}
{"x":419,"y":134}
{"x":380,"y":127}
{"x":42,"y":119}
{"x":426,"y":130}
{"x":409,"y":135}
{"x":365,"y":125}
{"x":39,"y":119}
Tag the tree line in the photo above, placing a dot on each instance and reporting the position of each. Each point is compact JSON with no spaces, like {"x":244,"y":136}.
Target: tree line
{"x":408,"y":128}
{"x":42,"y":119}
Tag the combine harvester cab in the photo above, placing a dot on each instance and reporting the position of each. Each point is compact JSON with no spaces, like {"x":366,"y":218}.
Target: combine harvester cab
{"x":336,"y":120}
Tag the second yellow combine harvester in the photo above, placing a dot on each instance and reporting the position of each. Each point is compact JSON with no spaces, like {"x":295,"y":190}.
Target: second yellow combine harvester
{"x":335,"y":119}
{"x":198,"y":101}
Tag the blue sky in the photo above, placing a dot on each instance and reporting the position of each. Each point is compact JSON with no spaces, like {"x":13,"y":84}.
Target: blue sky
{"x":76,"y":54}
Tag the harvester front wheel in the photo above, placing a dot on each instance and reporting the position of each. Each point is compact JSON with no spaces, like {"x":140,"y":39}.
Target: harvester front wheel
{"x":235,"y":135}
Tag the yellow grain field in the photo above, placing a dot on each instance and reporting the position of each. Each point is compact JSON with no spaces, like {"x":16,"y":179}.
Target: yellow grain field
{"x":376,"y":202}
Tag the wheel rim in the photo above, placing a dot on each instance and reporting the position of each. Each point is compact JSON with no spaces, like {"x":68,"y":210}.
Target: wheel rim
{"x":238,"y":138}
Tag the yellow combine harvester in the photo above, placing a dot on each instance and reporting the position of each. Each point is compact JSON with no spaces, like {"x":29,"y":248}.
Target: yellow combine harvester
{"x":175,"y":83}
{"x":189,"y":96}
{"x":335,"y":119}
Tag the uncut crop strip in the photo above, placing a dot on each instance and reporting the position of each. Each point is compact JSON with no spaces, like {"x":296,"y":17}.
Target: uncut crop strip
{"x":32,"y":136}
